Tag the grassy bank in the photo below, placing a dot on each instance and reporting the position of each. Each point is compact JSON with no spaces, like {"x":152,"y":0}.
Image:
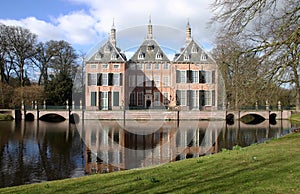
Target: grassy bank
{"x":271,"y":167}
{"x":295,"y":117}
{"x":5,"y":117}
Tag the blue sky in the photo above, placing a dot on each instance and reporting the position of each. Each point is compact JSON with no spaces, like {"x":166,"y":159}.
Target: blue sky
{"x":86,"y":23}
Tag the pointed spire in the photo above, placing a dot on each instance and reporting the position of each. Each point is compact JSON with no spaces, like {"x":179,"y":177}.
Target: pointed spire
{"x":188,"y":33}
{"x":113,"y":33}
{"x":149,"y":35}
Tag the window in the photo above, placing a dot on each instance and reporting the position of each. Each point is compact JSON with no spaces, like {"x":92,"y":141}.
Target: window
{"x":194,"y":99}
{"x":148,"y":80}
{"x":181,"y":97}
{"x":207,"y":96}
{"x":104,"y":79}
{"x":159,"y":56}
{"x":113,"y":56}
{"x":132,"y":66}
{"x":132,"y":99}
{"x":208,"y":77}
{"x":141,"y":55}
{"x":195,"y":77}
{"x":132,"y":81}
{"x":94,"y":66}
{"x":116,"y":66}
{"x":107,"y":49}
{"x":104,"y":66}
{"x":202,"y":76}
{"x":139,"y":66}
{"x":148,"y":66}
{"x":156,"y":66}
{"x":186,"y":57}
{"x":116,"y":98}
{"x":116,"y":77}
{"x":166,"y":81}
{"x":93,"y":98}
{"x":92,"y":79}
{"x":104,"y":100}
{"x":182,"y":76}
{"x":166,"y":65}
{"x":166,"y":98}
{"x":140,"y":80}
{"x":194,"y":49}
{"x":213,"y":77}
{"x":157,"y":80}
{"x":140,"y":99}
{"x":98,"y":56}
{"x":156,"y":98}
{"x":203,"y":57}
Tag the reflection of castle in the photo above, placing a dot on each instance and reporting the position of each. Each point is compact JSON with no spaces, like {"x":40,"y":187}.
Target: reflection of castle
{"x":149,"y":79}
{"x":111,"y":148}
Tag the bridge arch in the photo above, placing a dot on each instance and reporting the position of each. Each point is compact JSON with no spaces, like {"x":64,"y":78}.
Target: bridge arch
{"x":29,"y":117}
{"x":52,"y":117}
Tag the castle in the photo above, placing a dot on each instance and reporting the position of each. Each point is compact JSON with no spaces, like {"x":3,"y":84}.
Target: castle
{"x":149,"y":79}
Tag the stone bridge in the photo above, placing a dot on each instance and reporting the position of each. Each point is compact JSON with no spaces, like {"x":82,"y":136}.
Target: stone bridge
{"x":283,"y":114}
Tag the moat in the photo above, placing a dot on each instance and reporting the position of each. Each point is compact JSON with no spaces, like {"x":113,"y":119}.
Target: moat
{"x":39,"y":151}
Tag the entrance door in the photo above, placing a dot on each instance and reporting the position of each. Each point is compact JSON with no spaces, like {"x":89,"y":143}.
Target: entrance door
{"x":148,"y":104}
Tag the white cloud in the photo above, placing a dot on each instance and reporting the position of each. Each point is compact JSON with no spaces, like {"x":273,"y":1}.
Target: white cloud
{"x":86,"y":28}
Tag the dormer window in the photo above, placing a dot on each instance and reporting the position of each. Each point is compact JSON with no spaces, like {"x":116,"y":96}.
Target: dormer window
{"x":150,"y":47}
{"x":204,"y":57}
{"x":159,"y":56}
{"x":107,"y":49}
{"x":141,"y":55}
{"x":186,"y":57}
{"x":113,"y":56}
{"x":98,"y":56}
{"x":194,"y":49}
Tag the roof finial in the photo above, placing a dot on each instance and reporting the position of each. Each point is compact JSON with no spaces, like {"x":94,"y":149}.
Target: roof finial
{"x":188,"y":22}
{"x":149,"y":35}
{"x":113,"y":24}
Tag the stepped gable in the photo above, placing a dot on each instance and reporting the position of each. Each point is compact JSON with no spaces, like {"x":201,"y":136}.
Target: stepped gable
{"x":149,"y":51}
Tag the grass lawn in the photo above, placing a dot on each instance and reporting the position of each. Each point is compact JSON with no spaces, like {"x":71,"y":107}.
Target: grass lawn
{"x":270,"y":167}
{"x":295,"y":117}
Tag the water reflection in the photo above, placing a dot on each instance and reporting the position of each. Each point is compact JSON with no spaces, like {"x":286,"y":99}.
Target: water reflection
{"x":110,"y":147}
{"x":40,"y":151}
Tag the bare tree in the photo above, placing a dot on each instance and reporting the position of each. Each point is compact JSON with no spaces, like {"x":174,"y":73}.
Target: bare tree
{"x":20,"y":47}
{"x":272,"y":28}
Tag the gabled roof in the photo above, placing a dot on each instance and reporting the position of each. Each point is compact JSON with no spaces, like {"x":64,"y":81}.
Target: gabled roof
{"x":149,"y":51}
{"x":108,"y":53}
{"x":192,"y":52}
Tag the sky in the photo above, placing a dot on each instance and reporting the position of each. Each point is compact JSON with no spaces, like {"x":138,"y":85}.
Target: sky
{"x":86,"y":23}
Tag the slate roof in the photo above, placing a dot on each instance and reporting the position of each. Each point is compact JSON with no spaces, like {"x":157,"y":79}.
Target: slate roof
{"x":192,"y":52}
{"x":149,"y":51}
{"x":108,"y":53}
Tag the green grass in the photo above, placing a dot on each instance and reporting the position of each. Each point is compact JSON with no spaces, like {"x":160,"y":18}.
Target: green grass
{"x":295,"y":117}
{"x":270,"y":167}
{"x":5,"y":117}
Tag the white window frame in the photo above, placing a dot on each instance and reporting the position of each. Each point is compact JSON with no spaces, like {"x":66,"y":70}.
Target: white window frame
{"x":166,"y":81}
{"x":116,"y":79}
{"x":157,"y":80}
{"x":148,"y":81}
{"x":166,"y":66}
{"x":148,"y":66}
{"x":116,"y":66}
{"x":104,"y":66}
{"x":104,"y":79}
{"x":156,"y":66}
{"x":157,"y":99}
{"x":132,"y":81}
